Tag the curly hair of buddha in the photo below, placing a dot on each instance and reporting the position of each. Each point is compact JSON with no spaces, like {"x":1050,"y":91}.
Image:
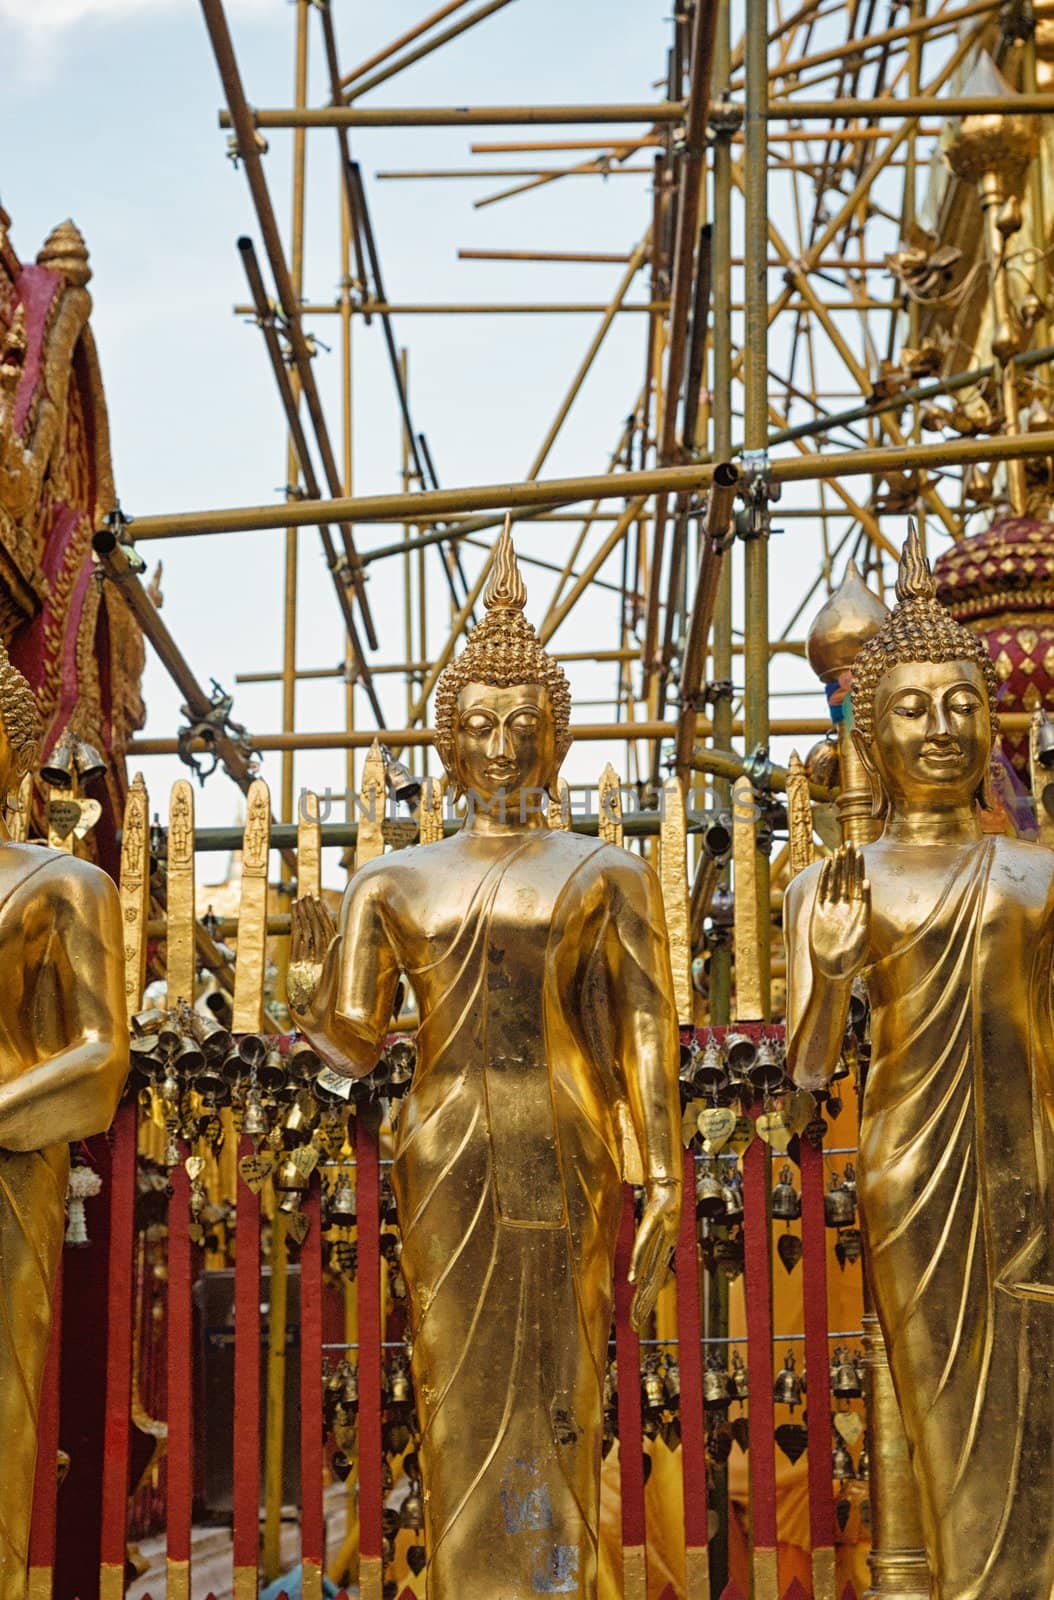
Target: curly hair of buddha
{"x":21,"y":718}
{"x":917,"y":629}
{"x":503,"y":651}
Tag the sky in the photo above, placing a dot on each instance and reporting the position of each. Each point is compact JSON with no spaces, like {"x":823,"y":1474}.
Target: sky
{"x":109,"y":115}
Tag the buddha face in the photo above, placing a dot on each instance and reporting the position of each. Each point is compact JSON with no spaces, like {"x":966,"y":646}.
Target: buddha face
{"x":932,"y":739}
{"x":505,"y":747}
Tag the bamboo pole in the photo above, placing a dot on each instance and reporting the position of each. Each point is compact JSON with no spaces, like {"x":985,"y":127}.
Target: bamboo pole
{"x":565,"y":491}
{"x":755,"y":436}
{"x":404,"y":38}
{"x":249,"y":154}
{"x":659,"y":111}
{"x":362,"y":85}
{"x":293,"y":458}
{"x":684,"y":248}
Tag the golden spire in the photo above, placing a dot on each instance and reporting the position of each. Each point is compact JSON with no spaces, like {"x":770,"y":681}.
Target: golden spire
{"x":914,"y":578}
{"x":506,"y":590}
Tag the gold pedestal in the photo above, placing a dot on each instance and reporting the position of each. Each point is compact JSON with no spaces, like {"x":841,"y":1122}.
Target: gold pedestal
{"x":897,"y":1560}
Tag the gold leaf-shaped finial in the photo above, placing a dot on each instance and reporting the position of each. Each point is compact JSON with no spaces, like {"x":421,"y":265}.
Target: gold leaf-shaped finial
{"x":506,"y":590}
{"x":914,"y":578}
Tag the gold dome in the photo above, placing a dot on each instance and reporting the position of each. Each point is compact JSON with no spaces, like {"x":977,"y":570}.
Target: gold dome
{"x":851,"y":616}
{"x":1001,"y":142}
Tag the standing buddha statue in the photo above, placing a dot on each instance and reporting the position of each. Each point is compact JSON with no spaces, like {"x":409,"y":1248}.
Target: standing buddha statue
{"x":952,"y":932}
{"x":541,"y":970}
{"x":63,"y":1062}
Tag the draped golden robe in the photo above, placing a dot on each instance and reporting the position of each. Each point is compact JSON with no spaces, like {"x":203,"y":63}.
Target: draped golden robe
{"x":63,"y":1060}
{"x":542,"y":976}
{"x":956,"y":1199}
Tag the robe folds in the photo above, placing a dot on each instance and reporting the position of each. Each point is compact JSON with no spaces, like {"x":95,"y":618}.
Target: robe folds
{"x":542,"y":977}
{"x":63,"y":1061}
{"x":956,"y":1189}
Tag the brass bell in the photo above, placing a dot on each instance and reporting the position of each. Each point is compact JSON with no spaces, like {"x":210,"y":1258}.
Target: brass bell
{"x":766,"y":1070}
{"x":400,"y":782}
{"x":147,"y":1023}
{"x":863,"y":1465}
{"x":839,"y":1204}
{"x":841,"y":1462}
{"x":688,"y":1057}
{"x":709,"y":1195}
{"x":212,"y":1087}
{"x":790,"y":1385}
{"x":303,"y":1060}
{"x":732,"y":1189}
{"x":739,"y":1377}
{"x":290,"y":1183}
{"x":169,"y":1037}
{"x":672,"y":1381}
{"x":412,"y":1512}
{"x":301,"y":1119}
{"x":269,"y":1070}
{"x":213,"y":1037}
{"x":144,"y":1056}
{"x":402,"y":1058}
{"x":654,"y":1390}
{"x":740,"y":1053}
{"x":254,"y":1122}
{"x":718,"y":1388}
{"x":402,"y":1392}
{"x":342,"y":1206}
{"x":711,"y":1074}
{"x":786,"y":1201}
{"x":59,"y":768}
{"x":845,"y":1380}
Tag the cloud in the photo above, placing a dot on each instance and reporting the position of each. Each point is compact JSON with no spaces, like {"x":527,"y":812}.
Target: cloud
{"x":44,"y":28}
{"x":34,"y":18}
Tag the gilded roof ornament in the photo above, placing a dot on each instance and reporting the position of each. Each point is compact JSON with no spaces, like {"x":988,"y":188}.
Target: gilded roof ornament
{"x":850,"y":616}
{"x":65,"y":252}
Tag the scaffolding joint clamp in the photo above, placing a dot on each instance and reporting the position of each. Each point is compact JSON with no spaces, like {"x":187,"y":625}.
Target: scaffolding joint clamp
{"x":758,"y":767}
{"x":724,"y":116}
{"x":715,"y":690}
{"x":758,"y":491}
{"x":215,"y":724}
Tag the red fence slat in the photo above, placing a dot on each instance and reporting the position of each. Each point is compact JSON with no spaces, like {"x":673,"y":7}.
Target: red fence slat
{"x":690,"y":1364}
{"x":247,"y":1357}
{"x":817,"y":1367}
{"x":179,"y":1481}
{"x":312,"y":1520}
{"x":758,"y":1297}
{"x":368,"y":1187}
{"x":119,"y":1319}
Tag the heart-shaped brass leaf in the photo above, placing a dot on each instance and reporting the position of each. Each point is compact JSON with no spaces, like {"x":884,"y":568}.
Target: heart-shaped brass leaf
{"x":717,"y":1125}
{"x":256,"y":1170}
{"x":772,"y":1127}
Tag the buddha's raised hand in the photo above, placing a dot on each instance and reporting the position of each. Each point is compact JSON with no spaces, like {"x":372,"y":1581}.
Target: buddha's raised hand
{"x":312,"y":932}
{"x":840,"y":926}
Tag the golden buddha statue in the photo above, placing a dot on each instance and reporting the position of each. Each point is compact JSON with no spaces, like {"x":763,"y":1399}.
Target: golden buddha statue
{"x":63,"y":1062}
{"x":952,"y":931}
{"x":541,"y":970}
